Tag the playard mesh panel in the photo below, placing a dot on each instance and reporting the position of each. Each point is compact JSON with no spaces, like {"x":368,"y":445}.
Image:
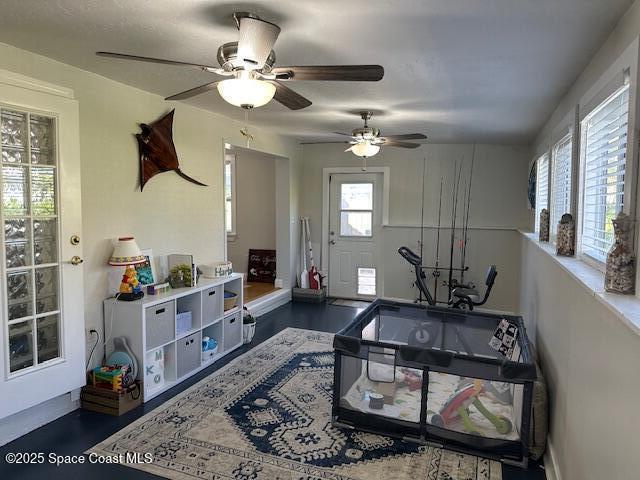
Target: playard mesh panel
{"x":403,"y":369}
{"x":443,"y":329}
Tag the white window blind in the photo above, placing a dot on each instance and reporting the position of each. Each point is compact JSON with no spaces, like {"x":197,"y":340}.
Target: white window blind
{"x":560,"y":181}
{"x":604,"y":155}
{"x":542,"y":187}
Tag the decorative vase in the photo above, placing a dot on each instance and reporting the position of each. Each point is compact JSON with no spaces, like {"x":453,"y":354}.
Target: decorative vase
{"x":566,"y":239}
{"x":544,"y":225}
{"x":620,"y":276}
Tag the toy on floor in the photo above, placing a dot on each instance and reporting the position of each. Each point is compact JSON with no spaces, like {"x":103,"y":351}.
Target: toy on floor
{"x":109,"y":377}
{"x":458,"y":407}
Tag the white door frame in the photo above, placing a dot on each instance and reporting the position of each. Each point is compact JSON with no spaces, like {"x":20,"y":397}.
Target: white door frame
{"x":285,"y":269}
{"x":324,"y":247}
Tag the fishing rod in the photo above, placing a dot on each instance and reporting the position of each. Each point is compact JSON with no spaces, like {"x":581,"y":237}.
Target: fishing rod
{"x":424,"y":171}
{"x":463,"y":254}
{"x":454,"y":209}
{"x":436,"y":271}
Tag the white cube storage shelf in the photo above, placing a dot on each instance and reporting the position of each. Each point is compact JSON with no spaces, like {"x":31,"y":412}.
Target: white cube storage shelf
{"x":167,"y":352}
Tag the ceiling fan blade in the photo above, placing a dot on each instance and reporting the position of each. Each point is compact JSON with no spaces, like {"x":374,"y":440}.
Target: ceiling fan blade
{"x":256,"y":40}
{"x":357,"y":73}
{"x":193,"y":91}
{"x":406,"y":136}
{"x":401,"y":144}
{"x":345,"y":134}
{"x":289,"y":98}
{"x":124,"y":56}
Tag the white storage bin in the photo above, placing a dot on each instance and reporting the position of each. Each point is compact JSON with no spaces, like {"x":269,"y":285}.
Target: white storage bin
{"x":160,"y":324}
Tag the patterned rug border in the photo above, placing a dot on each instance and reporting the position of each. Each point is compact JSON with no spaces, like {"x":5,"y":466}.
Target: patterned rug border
{"x":195,"y":386}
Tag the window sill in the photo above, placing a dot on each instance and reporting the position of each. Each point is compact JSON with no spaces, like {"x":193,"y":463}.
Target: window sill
{"x":625,"y":307}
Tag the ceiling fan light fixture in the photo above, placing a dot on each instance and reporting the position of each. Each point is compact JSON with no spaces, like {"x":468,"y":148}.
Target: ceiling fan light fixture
{"x":246,"y":92}
{"x":365,"y":149}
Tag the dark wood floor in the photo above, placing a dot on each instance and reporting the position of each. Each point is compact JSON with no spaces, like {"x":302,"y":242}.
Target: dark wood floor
{"x":80,"y":430}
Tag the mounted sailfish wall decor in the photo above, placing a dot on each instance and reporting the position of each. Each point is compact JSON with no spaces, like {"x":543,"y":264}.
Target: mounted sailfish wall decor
{"x":157,"y":151}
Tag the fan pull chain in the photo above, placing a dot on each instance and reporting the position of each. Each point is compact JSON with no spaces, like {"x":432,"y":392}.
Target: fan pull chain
{"x":245,"y":130}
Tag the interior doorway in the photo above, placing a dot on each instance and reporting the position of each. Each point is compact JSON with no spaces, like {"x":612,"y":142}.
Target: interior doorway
{"x":254,"y":210}
{"x":355,"y":221}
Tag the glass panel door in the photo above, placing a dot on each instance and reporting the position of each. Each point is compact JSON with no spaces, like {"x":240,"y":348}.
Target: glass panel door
{"x":30,"y":258}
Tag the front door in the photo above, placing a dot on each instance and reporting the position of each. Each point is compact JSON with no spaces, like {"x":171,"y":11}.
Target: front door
{"x":354,"y":230}
{"x":42,"y":341}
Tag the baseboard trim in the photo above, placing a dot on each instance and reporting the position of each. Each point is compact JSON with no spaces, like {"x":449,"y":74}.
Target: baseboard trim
{"x":551,"y":469}
{"x":269,"y":302}
{"x":21,"y":423}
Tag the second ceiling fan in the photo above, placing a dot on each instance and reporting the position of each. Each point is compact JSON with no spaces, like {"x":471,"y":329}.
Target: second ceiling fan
{"x":248,"y":76}
{"x":366,"y":141}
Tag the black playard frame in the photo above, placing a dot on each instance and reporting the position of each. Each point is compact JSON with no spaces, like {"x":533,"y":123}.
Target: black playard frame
{"x":348,"y":342}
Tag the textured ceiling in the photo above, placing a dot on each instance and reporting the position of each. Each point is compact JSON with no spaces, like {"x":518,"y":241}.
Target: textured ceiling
{"x":457,"y":70}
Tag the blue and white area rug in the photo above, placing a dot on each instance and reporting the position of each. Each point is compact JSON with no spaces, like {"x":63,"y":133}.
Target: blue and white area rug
{"x":266,"y":416}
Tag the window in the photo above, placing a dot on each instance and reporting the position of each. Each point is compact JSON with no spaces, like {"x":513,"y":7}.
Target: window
{"x":560,"y":181}
{"x":604,"y":152}
{"x":230,"y":193}
{"x":356,"y":209}
{"x":542,"y":187}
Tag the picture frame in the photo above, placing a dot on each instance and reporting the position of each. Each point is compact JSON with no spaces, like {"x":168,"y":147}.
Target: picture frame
{"x":262,"y":266}
{"x":147,"y":274}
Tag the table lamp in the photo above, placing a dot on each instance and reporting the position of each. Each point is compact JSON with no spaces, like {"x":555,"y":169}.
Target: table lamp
{"x":127,"y":254}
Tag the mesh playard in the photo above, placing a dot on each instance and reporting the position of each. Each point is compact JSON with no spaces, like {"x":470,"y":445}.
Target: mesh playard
{"x":458,"y":379}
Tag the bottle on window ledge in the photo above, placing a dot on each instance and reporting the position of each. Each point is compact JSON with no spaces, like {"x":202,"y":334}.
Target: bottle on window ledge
{"x":620,"y":275}
{"x":566,"y":238}
{"x":544,"y":225}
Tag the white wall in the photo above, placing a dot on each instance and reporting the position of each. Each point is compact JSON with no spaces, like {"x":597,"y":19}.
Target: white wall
{"x":255,"y":206}
{"x":171,"y":215}
{"x":590,"y":359}
{"x":499,"y":206}
{"x":589,"y":356}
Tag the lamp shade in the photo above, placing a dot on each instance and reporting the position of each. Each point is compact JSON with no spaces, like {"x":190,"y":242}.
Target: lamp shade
{"x":126,"y":252}
{"x":246,"y":92}
{"x":365,"y":149}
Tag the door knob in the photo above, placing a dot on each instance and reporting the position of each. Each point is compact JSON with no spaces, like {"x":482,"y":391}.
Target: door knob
{"x":332,"y":242}
{"x":76,"y":260}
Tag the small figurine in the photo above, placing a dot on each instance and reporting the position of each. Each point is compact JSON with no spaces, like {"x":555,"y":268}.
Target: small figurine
{"x":620,"y":275}
{"x":566,"y":239}
{"x":130,"y":286}
{"x":544,"y":225}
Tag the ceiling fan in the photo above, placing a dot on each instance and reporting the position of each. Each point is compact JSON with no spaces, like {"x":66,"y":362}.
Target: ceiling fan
{"x":366,"y":141}
{"x":248,"y":76}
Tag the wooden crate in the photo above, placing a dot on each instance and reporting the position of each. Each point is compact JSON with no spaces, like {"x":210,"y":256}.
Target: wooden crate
{"x":110,"y":402}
